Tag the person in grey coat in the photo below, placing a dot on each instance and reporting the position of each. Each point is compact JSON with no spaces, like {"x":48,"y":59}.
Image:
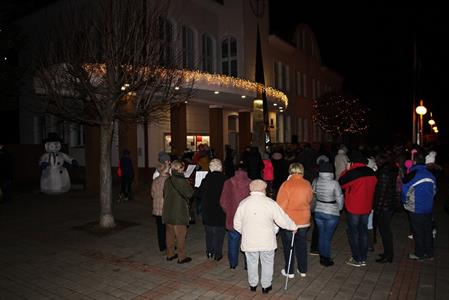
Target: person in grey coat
{"x":326,"y":205}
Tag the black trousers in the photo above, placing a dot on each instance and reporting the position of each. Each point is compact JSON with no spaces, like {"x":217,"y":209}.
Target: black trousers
{"x":160,"y":233}
{"x":125,"y":187}
{"x":422,"y":234}
{"x":383,"y":221}
{"x":214,"y":240}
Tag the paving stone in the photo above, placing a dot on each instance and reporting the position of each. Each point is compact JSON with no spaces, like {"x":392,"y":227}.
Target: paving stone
{"x":61,"y":263}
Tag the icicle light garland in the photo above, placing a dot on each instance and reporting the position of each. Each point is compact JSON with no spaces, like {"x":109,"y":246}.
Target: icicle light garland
{"x":217,"y":80}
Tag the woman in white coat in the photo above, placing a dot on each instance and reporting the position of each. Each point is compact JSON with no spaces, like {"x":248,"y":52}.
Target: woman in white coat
{"x":257,"y":220}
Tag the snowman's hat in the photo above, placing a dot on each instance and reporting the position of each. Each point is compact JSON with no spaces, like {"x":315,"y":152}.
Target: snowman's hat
{"x":53,"y":137}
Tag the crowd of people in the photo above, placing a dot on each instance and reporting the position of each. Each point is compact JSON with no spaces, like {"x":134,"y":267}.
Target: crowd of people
{"x":288,"y":192}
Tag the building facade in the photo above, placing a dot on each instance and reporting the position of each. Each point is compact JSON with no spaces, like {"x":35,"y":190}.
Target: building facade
{"x":217,"y":42}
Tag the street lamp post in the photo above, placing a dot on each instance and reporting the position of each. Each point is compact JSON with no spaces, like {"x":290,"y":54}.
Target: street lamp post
{"x":421,"y":110}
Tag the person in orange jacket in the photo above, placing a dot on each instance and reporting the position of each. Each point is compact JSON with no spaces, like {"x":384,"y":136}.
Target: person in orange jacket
{"x":294,"y":197}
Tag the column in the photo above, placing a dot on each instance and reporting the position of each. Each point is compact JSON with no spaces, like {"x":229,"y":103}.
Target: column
{"x":216,"y":129}
{"x":244,"y":130}
{"x":178,"y":128}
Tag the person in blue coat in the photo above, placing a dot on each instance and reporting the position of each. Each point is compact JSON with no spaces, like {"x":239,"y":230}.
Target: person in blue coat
{"x":417,"y":196}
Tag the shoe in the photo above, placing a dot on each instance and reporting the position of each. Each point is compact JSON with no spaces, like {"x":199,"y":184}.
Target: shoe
{"x":428,"y":258}
{"x":384,"y":260}
{"x":301,"y":274}
{"x":185,"y":260}
{"x":326,"y":262}
{"x":252,"y":288}
{"x":173,"y":257}
{"x":413,"y":256}
{"x":218,"y":258}
{"x":434,"y":233}
{"x":410,"y":236}
{"x":210,"y":255}
{"x":314,"y":252}
{"x":287,"y":275}
{"x":232,"y":267}
{"x":363,"y":263}
{"x":352,"y":262}
{"x":267,"y":289}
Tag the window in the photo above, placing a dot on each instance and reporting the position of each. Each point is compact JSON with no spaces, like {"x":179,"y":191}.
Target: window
{"x":167,"y":47}
{"x":298,"y":84}
{"x":281,"y":76}
{"x":299,"y":130}
{"x":306,"y":129}
{"x":187,"y":48}
{"x":299,"y":39}
{"x":229,"y":57}
{"x":304,"y":85}
{"x":286,"y":77}
{"x":207,"y":61}
{"x":313,"y":88}
{"x":318,"y":88}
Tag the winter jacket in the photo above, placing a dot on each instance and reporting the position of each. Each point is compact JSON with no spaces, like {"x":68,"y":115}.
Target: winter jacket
{"x":257,"y":218}
{"x":254,"y":164}
{"x":358,"y":183}
{"x":280,"y":172}
{"x":328,"y":197}
{"x":341,"y":162}
{"x":157,"y":193}
{"x":268,"y":170}
{"x":295,"y":197}
{"x":385,"y":195}
{"x":418,"y":190}
{"x":235,"y":189}
{"x":209,"y":194}
{"x":177,"y":193}
{"x":126,"y":166}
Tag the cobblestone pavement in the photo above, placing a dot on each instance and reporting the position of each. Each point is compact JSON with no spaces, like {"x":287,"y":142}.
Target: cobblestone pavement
{"x":43,"y":256}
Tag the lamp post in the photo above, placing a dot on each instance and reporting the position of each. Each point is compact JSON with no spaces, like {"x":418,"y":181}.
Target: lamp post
{"x":421,"y":110}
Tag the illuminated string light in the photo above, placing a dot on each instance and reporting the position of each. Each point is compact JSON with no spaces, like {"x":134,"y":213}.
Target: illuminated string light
{"x":213,"y":80}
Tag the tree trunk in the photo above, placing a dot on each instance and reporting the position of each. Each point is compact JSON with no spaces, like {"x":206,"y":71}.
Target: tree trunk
{"x":106,"y":217}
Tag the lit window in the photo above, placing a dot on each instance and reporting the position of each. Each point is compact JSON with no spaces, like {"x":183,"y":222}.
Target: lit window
{"x":207,"y":62}
{"x":229,"y":57}
{"x":187,"y":48}
{"x":166,"y":39}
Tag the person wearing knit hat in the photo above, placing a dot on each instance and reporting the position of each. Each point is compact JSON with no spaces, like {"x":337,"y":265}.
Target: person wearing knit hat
{"x":326,"y":206}
{"x":341,"y":161}
{"x":164,"y":163}
{"x":256,"y":219}
{"x":358,"y":157}
{"x":358,"y":183}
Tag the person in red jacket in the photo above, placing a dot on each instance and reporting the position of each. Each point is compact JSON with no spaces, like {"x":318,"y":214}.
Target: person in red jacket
{"x":359,"y":183}
{"x":268,"y":173}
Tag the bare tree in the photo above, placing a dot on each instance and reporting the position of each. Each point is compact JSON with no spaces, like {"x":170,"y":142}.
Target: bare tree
{"x":109,"y":60}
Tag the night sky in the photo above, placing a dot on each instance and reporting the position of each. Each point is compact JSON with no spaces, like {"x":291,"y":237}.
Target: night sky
{"x":372,"y":47}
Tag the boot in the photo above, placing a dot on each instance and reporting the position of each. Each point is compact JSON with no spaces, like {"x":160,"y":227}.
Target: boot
{"x":326,"y":261}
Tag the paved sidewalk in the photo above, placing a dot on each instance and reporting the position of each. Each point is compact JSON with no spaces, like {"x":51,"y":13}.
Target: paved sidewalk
{"x":42,"y":256}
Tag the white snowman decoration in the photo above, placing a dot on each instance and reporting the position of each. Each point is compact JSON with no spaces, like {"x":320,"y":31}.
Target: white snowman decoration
{"x":55,"y":178}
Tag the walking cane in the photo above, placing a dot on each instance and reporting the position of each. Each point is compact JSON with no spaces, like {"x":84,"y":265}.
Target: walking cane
{"x":289,"y":260}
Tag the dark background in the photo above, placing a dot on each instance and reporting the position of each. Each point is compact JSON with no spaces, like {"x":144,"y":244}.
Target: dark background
{"x":372,"y":46}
